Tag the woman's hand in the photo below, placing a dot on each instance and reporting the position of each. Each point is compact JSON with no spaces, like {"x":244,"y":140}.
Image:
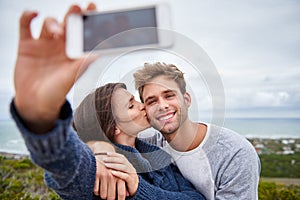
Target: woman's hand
{"x":122,"y":169}
{"x":106,"y":185}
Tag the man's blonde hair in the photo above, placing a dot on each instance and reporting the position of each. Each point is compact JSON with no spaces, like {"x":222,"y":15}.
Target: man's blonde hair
{"x":150,"y":71}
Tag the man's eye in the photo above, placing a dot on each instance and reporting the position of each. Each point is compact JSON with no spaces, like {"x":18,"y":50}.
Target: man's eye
{"x":131,"y":106}
{"x":170,"y":95}
{"x":150,"y":102}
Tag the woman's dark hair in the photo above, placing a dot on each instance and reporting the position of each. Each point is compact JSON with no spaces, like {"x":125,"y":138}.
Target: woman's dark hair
{"x":94,"y":118}
{"x":104,"y":113}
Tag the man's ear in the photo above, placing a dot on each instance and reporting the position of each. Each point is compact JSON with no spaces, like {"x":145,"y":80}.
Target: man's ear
{"x":187,"y":99}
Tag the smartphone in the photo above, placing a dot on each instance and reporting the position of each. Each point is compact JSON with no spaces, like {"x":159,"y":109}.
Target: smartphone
{"x":118,"y":29}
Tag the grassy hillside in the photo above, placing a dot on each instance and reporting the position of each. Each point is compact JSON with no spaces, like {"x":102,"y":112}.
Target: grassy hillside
{"x":20,"y":179}
{"x":287,"y":166}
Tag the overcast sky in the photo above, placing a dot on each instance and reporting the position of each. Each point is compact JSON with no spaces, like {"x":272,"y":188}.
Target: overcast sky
{"x":254,"y":44}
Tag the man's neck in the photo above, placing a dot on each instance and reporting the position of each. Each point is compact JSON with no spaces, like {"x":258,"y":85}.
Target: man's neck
{"x":188,"y":137}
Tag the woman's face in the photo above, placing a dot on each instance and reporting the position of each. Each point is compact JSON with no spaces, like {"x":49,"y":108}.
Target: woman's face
{"x":130,"y":115}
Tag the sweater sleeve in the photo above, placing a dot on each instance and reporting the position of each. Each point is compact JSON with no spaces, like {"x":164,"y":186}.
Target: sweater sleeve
{"x":147,"y":191}
{"x":179,"y":188}
{"x":239,"y":173}
{"x":69,"y":165}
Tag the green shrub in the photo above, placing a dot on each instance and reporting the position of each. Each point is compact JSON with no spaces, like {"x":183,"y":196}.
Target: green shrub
{"x":273,"y":165}
{"x":21,"y":179}
{"x":267,"y":191}
{"x":270,"y":191}
{"x":23,"y":164}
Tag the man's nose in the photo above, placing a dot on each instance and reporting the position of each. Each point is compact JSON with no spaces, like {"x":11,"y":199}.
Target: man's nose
{"x":163,"y":104}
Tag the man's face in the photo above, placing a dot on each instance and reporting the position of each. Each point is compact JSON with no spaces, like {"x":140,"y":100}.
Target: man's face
{"x":165,"y":105}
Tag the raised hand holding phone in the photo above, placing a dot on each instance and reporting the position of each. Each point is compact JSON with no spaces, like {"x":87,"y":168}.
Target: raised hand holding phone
{"x":43,"y":73}
{"x":43,"y":76}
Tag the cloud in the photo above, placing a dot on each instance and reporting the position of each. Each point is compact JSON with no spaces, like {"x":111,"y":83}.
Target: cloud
{"x":270,"y":99}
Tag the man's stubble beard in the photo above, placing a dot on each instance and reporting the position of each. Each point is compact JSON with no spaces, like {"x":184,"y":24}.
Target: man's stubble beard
{"x":174,"y":130}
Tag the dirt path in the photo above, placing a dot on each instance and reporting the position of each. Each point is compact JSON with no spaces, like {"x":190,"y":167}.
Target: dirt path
{"x":284,"y":181}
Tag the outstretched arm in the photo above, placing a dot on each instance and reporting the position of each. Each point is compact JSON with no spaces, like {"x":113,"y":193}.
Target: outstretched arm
{"x":43,"y":77}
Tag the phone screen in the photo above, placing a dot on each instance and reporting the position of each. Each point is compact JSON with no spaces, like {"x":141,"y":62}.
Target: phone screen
{"x":97,"y":28}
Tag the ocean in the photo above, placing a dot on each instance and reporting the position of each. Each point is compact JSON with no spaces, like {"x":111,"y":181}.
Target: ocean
{"x":265,"y":127}
{"x":11,"y":140}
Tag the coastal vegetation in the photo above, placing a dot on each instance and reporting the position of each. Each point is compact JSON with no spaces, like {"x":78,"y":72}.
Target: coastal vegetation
{"x":284,"y":166}
{"x":21,"y":179}
{"x":271,"y":190}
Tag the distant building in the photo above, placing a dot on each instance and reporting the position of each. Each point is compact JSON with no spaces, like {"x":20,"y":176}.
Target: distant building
{"x":260,"y":148}
{"x":287,"y":150}
{"x":288,"y":141}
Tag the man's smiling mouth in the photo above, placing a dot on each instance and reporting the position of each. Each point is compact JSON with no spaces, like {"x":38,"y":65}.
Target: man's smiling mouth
{"x":166,"y":117}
